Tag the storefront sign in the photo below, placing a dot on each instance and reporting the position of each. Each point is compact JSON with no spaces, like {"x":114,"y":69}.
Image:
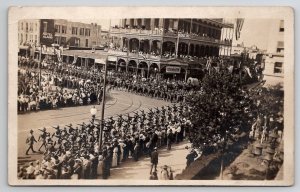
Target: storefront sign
{"x":112,"y":58}
{"x":101,"y":61}
{"x":47,"y":35}
{"x":172,"y":69}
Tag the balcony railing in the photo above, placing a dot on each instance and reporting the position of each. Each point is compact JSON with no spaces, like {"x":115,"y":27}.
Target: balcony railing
{"x":155,"y":31}
{"x":154,"y":56}
{"x":117,"y":52}
{"x":170,"y":33}
{"x":130,"y":54}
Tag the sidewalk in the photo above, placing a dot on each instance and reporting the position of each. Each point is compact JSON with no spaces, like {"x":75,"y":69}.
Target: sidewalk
{"x":140,"y":170}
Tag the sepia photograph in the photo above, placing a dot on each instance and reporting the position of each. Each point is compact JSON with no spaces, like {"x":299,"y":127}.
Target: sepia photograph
{"x":131,"y":99}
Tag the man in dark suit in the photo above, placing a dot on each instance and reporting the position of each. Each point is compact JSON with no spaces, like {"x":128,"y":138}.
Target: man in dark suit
{"x":154,"y":160}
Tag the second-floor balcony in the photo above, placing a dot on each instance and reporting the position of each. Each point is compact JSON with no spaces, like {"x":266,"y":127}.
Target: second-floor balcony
{"x":117,"y":52}
{"x":134,"y":31}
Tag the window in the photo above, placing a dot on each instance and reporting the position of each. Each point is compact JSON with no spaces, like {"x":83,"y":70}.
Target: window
{"x":63,"y":40}
{"x":45,"y":27}
{"x":278,"y":67}
{"x":77,"y":42}
{"x":35,"y":38}
{"x":86,"y":42}
{"x":26,"y":27}
{"x":63,"y":29}
{"x":74,"y":30}
{"x":22,"y":26}
{"x":56,"y":40}
{"x":57,"y":28}
{"x":281,"y":26}
{"x":81,"y":31}
{"x":36,"y":27}
{"x":87,"y":32}
{"x":280,"y":47}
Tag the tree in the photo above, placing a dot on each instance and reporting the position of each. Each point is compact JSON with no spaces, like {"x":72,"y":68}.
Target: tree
{"x":218,"y":112}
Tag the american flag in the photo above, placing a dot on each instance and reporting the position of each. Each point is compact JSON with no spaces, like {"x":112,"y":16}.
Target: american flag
{"x":238,"y":28}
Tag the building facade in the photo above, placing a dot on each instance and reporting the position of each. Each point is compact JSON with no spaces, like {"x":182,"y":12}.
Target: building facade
{"x":29,"y":32}
{"x":58,"y":31}
{"x":274,"y":59}
{"x":76,"y":34}
{"x":169,"y":46}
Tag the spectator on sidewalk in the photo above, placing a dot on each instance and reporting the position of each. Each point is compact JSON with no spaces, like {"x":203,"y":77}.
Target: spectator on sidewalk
{"x":154,"y":160}
{"x":190,"y":158}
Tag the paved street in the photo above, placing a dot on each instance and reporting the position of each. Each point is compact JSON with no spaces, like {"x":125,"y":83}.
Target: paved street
{"x":175,"y":158}
{"x":120,"y":103}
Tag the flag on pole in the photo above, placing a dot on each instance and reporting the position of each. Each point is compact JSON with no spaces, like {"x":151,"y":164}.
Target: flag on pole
{"x":238,"y":27}
{"x":58,"y":54}
{"x":75,"y":59}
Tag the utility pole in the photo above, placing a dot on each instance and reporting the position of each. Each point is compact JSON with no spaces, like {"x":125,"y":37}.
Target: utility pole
{"x":102,"y":106}
{"x":40,"y":63}
{"x":177,"y":42}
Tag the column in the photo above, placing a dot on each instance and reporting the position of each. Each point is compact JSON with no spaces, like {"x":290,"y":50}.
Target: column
{"x":128,"y":46}
{"x":135,"y":22}
{"x":191,"y":26}
{"x":161,"y":23}
{"x":188,"y":52}
{"x":150,"y":47}
{"x":152,"y":23}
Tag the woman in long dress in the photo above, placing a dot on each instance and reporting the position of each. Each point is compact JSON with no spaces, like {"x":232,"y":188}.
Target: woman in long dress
{"x":100,"y":165}
{"x":115,"y":157}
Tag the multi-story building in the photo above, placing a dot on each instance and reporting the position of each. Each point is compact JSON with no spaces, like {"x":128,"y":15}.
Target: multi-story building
{"x":29,"y":32}
{"x":76,"y":34}
{"x":59,"y":31}
{"x":105,"y":38}
{"x":274,"y":60}
{"x":169,"y":46}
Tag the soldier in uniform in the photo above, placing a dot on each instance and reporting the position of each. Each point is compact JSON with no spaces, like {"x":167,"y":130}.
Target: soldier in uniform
{"x":30,"y":141}
{"x":42,"y":138}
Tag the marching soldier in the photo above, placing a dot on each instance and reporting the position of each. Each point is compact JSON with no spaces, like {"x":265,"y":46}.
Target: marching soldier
{"x":30,"y":141}
{"x":42,"y":138}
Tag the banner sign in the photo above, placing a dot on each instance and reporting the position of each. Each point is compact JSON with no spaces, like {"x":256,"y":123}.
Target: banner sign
{"x":172,"y":69}
{"x":47,"y":31}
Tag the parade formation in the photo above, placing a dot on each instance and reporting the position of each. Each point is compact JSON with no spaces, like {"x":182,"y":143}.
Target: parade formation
{"x":225,"y":108}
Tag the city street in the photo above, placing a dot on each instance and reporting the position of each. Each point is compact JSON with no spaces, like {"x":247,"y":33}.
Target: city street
{"x":119,"y":103}
{"x":140,"y":170}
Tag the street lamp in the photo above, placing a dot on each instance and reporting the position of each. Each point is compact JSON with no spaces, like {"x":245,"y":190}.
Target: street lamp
{"x":93,"y":113}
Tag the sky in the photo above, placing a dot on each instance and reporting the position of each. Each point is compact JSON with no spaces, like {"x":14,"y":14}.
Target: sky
{"x":254,"y":31}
